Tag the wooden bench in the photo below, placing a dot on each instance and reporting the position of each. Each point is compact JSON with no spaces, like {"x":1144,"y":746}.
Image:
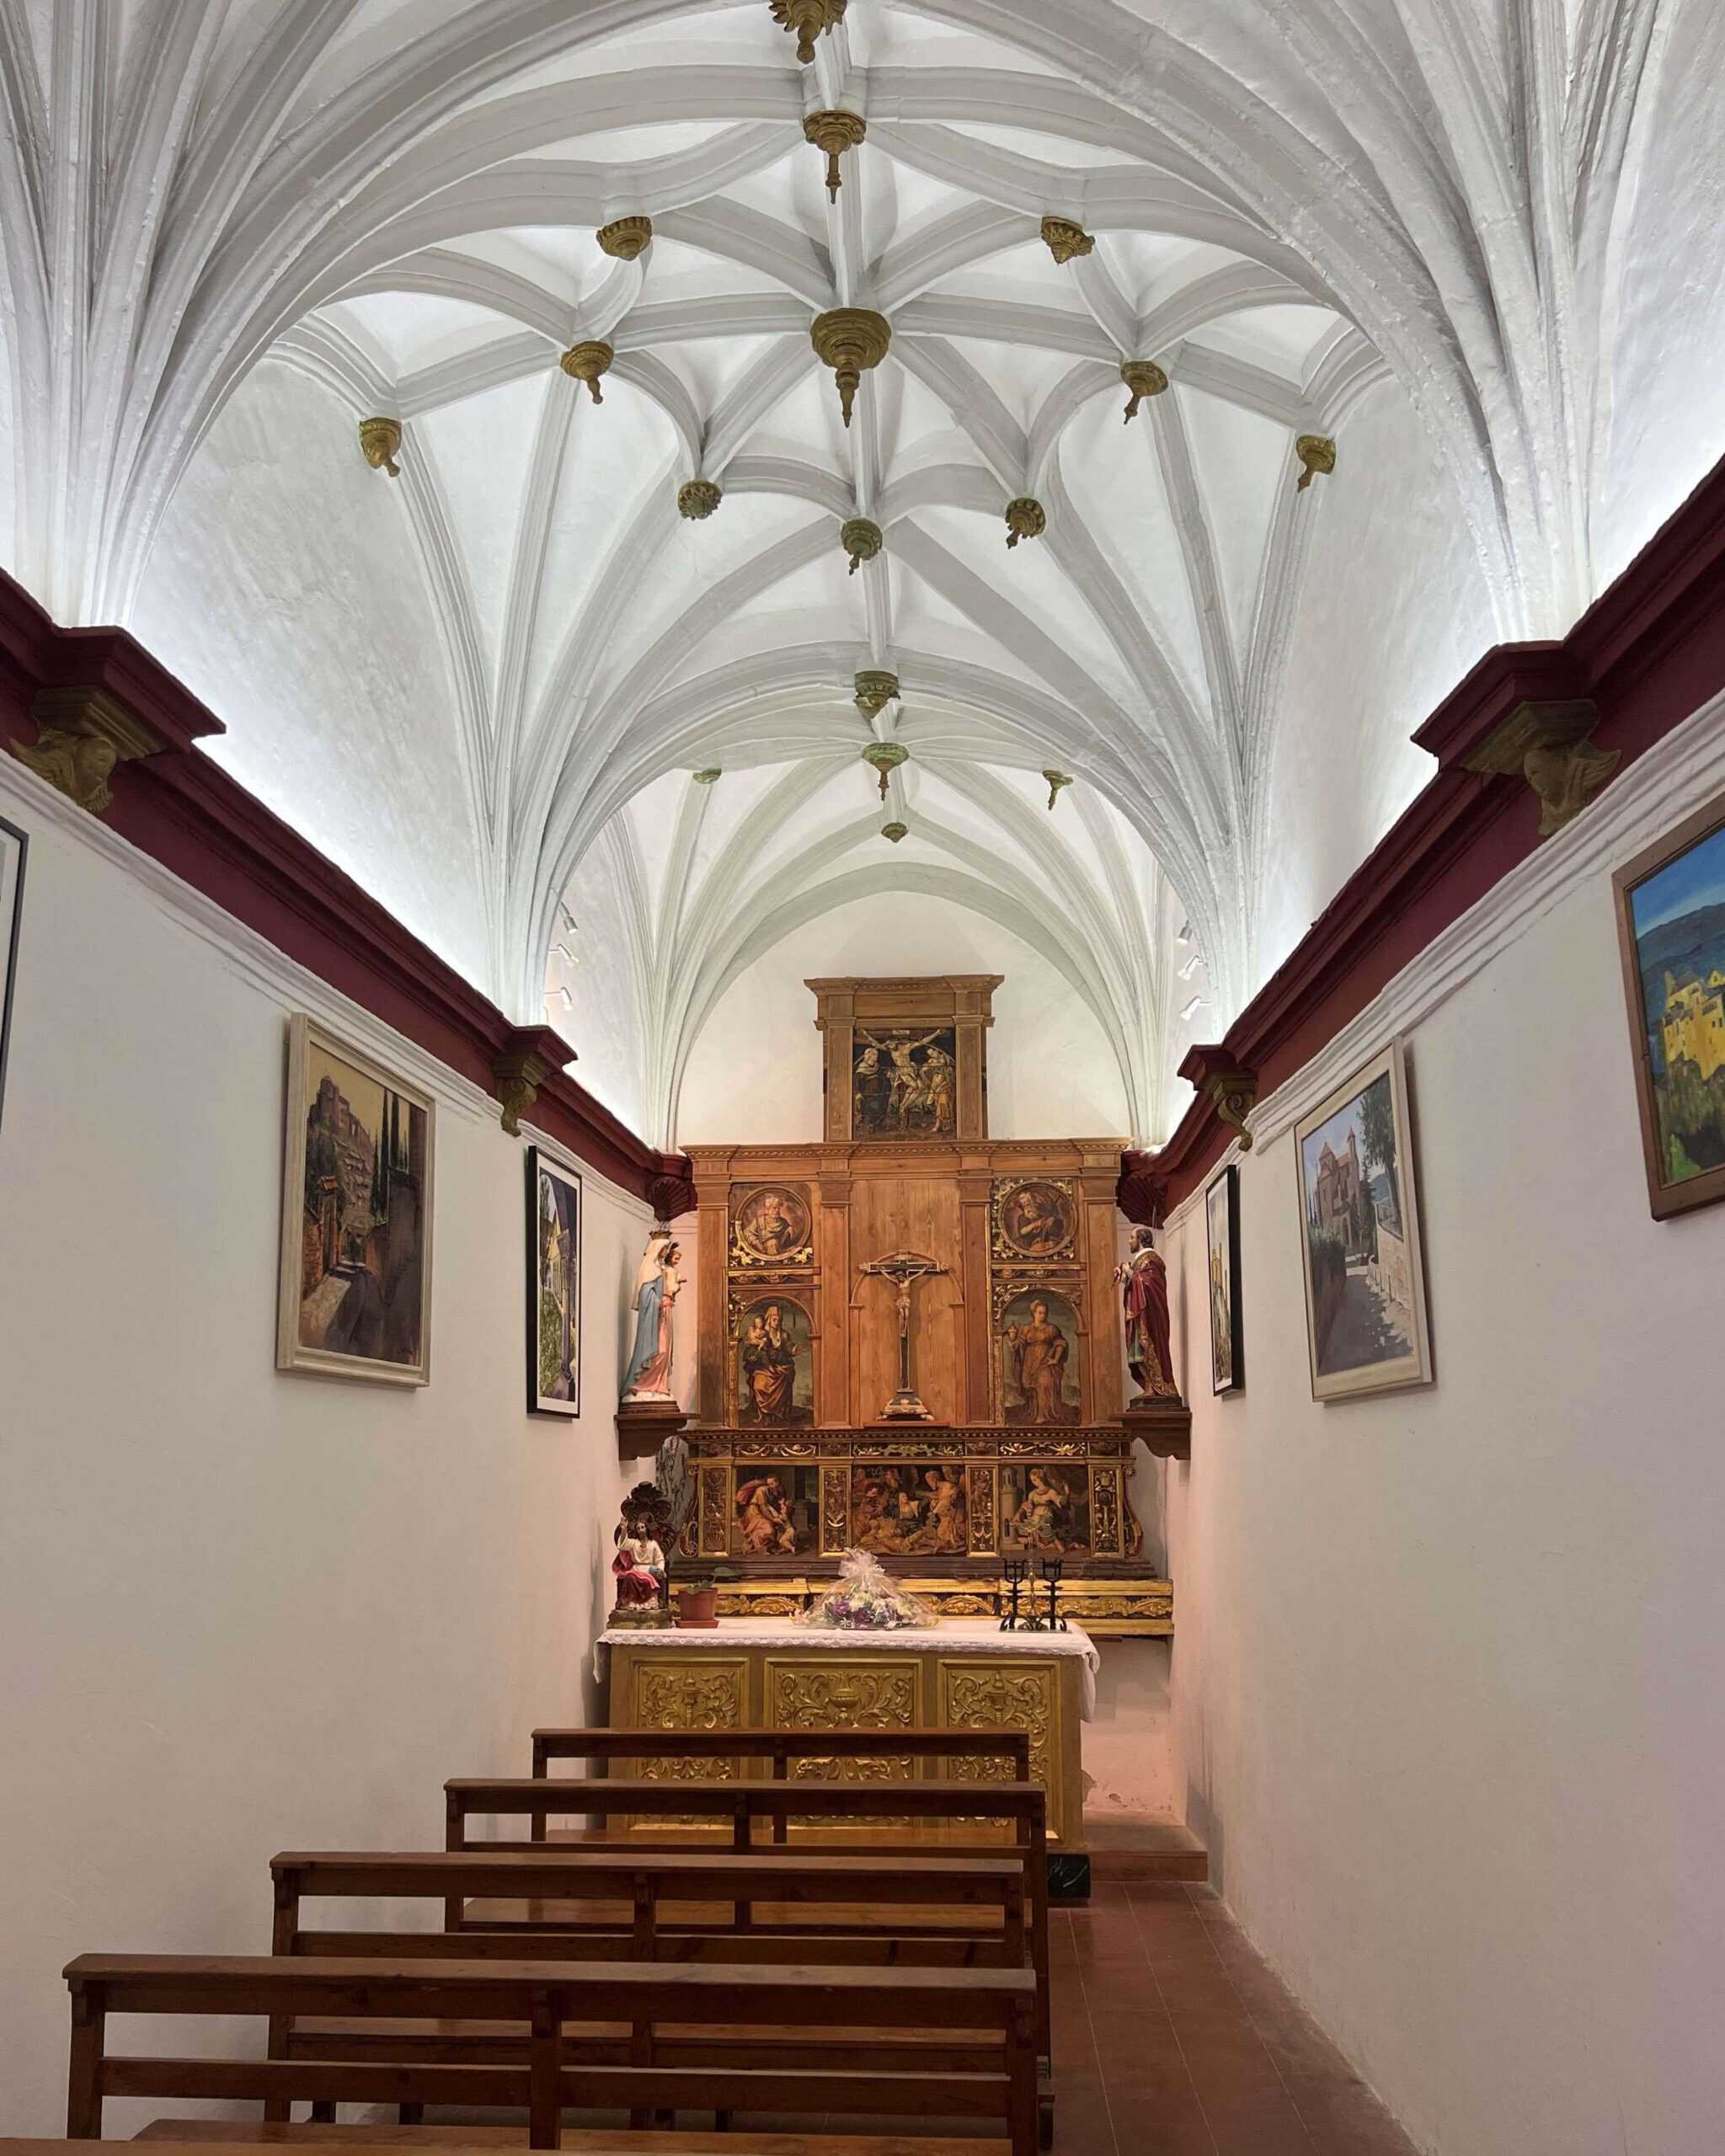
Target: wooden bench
{"x":601,"y":1905}
{"x":232,"y":2137}
{"x":779,"y":1748}
{"x":543,"y":2004}
{"x":1019,"y":1809}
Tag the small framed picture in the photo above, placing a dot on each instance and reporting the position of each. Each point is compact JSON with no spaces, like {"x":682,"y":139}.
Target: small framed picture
{"x":15,"y":847}
{"x":1671,"y":933}
{"x":1227,"y":1354}
{"x":355,"y":1290}
{"x":554,"y":1286}
{"x":1365,"y":1316}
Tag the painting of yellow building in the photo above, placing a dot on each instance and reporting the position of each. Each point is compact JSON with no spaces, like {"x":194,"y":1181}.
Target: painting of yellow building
{"x":1694,"y":1024}
{"x":1674,"y":922}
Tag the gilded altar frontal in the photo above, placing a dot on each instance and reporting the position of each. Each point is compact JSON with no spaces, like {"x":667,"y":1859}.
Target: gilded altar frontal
{"x":910,"y":1338}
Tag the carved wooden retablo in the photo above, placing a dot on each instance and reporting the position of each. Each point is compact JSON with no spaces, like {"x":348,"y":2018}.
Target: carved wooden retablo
{"x":803,"y":1443}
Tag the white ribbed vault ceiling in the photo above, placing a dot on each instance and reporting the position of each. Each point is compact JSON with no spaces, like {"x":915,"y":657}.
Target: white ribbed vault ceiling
{"x":1294,"y":208}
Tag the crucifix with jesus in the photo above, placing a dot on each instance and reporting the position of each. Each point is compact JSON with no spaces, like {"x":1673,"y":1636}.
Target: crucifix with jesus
{"x":903,"y":1269}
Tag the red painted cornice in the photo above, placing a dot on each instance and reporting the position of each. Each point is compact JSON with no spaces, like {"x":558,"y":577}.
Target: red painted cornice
{"x":1647,"y":653}
{"x":187,"y":812}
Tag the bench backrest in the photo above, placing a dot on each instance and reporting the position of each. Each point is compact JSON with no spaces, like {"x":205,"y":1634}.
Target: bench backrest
{"x":538,"y":1997}
{"x":782,"y":1746}
{"x":637,"y":1885}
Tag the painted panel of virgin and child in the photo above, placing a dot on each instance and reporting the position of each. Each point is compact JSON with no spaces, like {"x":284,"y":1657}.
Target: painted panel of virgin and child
{"x":775,"y":1364}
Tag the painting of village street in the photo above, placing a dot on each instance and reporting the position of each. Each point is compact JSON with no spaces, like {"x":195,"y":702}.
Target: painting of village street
{"x":1676,"y":922}
{"x":356,"y":1252}
{"x":1365,"y":1323}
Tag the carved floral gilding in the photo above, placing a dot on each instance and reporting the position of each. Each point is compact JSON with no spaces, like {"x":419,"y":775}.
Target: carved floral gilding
{"x":1317,"y":453}
{"x":380,"y":439}
{"x":698,"y":497}
{"x":849,"y":340}
{"x":1065,"y":239}
{"x":1026,"y":518}
{"x":624,"y":237}
{"x":807,"y":20}
{"x":833,"y":132}
{"x":586,"y":361}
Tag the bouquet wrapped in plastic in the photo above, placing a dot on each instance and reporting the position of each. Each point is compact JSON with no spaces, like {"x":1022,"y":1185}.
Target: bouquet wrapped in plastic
{"x":864,"y":1598}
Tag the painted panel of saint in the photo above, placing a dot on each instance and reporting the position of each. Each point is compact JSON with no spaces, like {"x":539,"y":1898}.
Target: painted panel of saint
{"x":1039,"y":1347}
{"x":1045,"y":1508}
{"x":776,"y":1511}
{"x":772,"y":1227}
{"x":1036,"y":1219}
{"x":909,"y":1511}
{"x":903,"y":1083}
{"x":775,"y":1364}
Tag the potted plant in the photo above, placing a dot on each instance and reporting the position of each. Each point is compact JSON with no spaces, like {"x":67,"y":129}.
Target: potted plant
{"x":697,"y":1599}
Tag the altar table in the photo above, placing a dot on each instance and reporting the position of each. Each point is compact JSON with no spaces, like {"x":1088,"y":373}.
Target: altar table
{"x":755,"y":1673}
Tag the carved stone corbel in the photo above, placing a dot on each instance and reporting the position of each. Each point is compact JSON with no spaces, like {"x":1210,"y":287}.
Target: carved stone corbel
{"x":1317,"y":453}
{"x":884,"y":758}
{"x":862,"y":539}
{"x":849,"y":339}
{"x":1229,"y":1086}
{"x":624,"y":237}
{"x":807,"y":20}
{"x":1064,"y":239}
{"x":698,"y":497}
{"x":1144,"y":378}
{"x":894,"y":831}
{"x":672,"y":1194}
{"x":1546,"y":745}
{"x":875,"y":689}
{"x":534,"y":1054}
{"x":1026,"y":518}
{"x":83,"y":736}
{"x":834,"y":132}
{"x":1141,"y":1191}
{"x":380,"y":442}
{"x":586,"y":361}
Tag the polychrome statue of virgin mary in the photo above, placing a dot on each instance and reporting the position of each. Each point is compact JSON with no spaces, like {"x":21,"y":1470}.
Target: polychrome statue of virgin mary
{"x":656,"y":1285}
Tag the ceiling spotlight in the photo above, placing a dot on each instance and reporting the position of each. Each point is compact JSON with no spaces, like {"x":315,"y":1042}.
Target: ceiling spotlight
{"x":1197,"y":1003}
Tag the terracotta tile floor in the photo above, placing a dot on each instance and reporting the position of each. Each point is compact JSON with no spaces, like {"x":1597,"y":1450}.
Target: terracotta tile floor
{"x":1172,"y":2038}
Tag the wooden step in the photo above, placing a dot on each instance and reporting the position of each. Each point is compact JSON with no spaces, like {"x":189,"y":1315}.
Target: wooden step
{"x":1128,"y":1845}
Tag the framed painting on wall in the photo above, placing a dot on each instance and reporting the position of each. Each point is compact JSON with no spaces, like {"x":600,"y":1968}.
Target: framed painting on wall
{"x":554,"y":1286}
{"x":13,"y":847}
{"x":1221,"y":1213}
{"x":356,"y":1288}
{"x":1365,"y":1318}
{"x":1671,"y":931}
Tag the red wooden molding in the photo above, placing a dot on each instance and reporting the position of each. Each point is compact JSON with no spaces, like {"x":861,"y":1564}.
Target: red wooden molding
{"x":186,"y":812}
{"x":1648,"y":652}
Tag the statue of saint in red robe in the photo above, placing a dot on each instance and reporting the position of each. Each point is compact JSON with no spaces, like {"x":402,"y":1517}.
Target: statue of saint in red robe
{"x":1144,"y":1291}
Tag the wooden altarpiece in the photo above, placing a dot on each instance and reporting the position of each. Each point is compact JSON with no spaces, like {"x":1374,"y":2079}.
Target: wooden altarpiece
{"x":1014,"y":1332}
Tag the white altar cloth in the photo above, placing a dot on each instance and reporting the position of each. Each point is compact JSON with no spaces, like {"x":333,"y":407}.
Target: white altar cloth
{"x":965,"y":1635}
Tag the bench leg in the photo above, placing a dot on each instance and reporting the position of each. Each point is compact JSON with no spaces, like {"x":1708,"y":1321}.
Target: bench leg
{"x":721,"y":2121}
{"x":323,"y":2112}
{"x":414,"y":2115}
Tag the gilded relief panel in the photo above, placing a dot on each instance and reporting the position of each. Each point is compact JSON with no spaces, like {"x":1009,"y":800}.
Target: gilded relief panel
{"x":851,"y":1691}
{"x":995,"y":1692}
{"x":706,"y":1692}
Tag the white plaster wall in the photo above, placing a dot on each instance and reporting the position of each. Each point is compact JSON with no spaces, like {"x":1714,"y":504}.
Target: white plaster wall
{"x":284,"y":590}
{"x":1392,"y":612}
{"x":1447,"y":1705}
{"x":242,"y":1611}
{"x":1664,"y":291}
{"x":754,"y":1075}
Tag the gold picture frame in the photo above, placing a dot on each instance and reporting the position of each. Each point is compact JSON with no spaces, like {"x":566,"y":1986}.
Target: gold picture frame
{"x":353,"y":1293}
{"x":1361,"y":1258}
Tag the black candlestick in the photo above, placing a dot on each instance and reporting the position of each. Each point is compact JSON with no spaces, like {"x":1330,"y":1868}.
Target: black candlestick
{"x":1015,"y":1569}
{"x":1051,"y":1570}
